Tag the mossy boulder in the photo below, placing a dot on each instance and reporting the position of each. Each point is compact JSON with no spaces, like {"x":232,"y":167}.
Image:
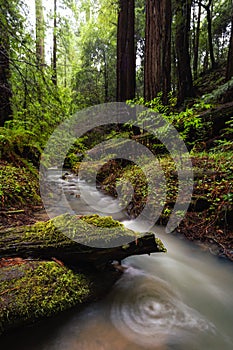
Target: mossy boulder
{"x":37,"y":289}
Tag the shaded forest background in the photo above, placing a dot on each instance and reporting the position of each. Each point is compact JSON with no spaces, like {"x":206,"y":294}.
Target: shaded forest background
{"x":83,"y":53}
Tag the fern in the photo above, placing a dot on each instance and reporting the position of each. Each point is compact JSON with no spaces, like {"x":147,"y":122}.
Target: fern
{"x":217,"y":94}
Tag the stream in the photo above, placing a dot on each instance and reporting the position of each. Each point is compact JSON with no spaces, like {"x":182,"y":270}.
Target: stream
{"x":181,"y":300}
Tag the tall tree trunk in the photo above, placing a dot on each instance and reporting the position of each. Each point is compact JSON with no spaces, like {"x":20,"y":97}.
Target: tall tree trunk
{"x":166,"y":48}
{"x":126,"y":53}
{"x":65,"y":70}
{"x":54,"y":63}
{"x":229,"y":71}
{"x":106,"y":93}
{"x":209,"y":20}
{"x":157,"y":72}
{"x":40,"y":33}
{"x":185,"y":83}
{"x":5,"y":88}
{"x":196,"y":42}
{"x":209,"y":28}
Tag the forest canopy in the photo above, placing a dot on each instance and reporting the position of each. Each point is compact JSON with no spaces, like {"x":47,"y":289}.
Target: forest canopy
{"x":58,"y":56}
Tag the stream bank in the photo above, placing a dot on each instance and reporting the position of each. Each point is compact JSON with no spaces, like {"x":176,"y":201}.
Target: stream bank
{"x":209,"y":219}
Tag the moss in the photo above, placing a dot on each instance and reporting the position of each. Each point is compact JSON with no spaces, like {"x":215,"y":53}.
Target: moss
{"x":101,"y":221}
{"x":160,"y":245}
{"x":18,"y":186}
{"x":88,"y":229}
{"x":67,"y":230}
{"x":39,"y":289}
{"x":46,"y":231}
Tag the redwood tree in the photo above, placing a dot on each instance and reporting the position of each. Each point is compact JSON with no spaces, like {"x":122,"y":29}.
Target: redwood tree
{"x":126,"y":53}
{"x":54,"y":60}
{"x":207,"y":7}
{"x":157,"y":72}
{"x":5,"y":89}
{"x":182,"y":23}
{"x":229,"y":71}
{"x":40,"y":35}
{"x":196,"y":40}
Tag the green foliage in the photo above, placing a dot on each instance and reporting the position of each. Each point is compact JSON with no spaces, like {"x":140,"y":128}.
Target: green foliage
{"x":221,"y":18}
{"x":95,"y":74}
{"x":42,"y":107}
{"x":224,"y":145}
{"x":38,"y":105}
{"x":188,"y":122}
{"x":16,"y":143}
{"x":156,"y":104}
{"x":215,"y":185}
{"x":219,"y":93}
{"x":18,"y":186}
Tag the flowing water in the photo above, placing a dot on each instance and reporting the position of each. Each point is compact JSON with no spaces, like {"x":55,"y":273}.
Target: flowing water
{"x":180,"y":300}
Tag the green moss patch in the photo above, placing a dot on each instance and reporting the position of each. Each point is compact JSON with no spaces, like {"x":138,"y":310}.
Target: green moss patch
{"x":86,"y":230}
{"x":18,"y":186}
{"x":101,"y":221}
{"x":38,"y":289}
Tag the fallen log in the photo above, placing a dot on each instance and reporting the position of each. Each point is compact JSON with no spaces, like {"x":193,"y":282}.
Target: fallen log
{"x":76,"y":240}
{"x":35,"y":278}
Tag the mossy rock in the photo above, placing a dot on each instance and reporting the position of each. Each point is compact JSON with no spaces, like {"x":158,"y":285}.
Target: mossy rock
{"x":38,"y":289}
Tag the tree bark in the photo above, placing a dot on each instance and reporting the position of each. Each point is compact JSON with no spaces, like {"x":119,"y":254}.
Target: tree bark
{"x":40,"y":33}
{"x":185,"y":83}
{"x":157,"y":72}
{"x":229,"y":71}
{"x":209,"y":26}
{"x":106,"y":88}
{"x":54,"y":63}
{"x":166,"y":49}
{"x":5,"y":88}
{"x":196,"y":42}
{"x":126,"y":53}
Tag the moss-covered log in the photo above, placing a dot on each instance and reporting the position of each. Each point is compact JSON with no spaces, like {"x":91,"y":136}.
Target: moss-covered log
{"x":77,"y":240}
{"x":32,"y":290}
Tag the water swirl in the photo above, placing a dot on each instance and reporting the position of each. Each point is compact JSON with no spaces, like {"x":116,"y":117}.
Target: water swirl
{"x":152,"y":314}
